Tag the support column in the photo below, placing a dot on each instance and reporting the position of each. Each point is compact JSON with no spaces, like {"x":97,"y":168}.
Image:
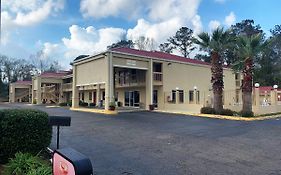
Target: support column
{"x":98,"y":94}
{"x":149,"y":85}
{"x":32,"y":91}
{"x":109,"y":87}
{"x":30,"y":97}
{"x":12,"y":93}
{"x":39,"y":92}
{"x":61,"y":99}
{"x":75,"y":90}
{"x":273,"y":97}
{"x":257,"y":96}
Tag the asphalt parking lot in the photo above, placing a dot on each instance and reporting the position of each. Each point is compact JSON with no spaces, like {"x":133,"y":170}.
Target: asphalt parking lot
{"x":157,"y":143}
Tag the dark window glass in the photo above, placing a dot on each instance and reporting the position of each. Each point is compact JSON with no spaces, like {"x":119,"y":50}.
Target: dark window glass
{"x":174,"y":96}
{"x":90,"y":96}
{"x":191,"y":96}
{"x":181,"y":96}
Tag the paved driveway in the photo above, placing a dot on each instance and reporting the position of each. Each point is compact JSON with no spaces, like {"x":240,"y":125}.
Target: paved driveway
{"x":154,"y":143}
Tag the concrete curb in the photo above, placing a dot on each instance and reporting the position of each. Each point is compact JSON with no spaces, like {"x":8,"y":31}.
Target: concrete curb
{"x":99,"y":111}
{"x":224,"y":117}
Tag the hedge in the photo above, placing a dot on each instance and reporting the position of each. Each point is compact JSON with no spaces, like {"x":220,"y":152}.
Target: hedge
{"x":23,"y":130}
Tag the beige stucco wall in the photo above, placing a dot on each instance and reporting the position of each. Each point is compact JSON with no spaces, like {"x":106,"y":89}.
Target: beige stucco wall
{"x":91,"y":72}
{"x":131,"y":62}
{"x":184,"y":77}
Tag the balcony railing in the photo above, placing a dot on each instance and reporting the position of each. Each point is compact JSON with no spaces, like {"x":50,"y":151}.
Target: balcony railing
{"x":128,"y":81}
{"x":67,"y":87}
{"x":158,"y":76}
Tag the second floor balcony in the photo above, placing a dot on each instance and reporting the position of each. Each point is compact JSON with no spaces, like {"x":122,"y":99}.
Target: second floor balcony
{"x":66,"y":87}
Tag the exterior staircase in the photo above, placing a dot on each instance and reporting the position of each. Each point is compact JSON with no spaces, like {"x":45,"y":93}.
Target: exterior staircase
{"x":50,"y":94}
{"x":22,"y":95}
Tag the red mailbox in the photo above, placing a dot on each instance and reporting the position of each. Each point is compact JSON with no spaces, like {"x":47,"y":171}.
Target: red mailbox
{"x":68,"y":161}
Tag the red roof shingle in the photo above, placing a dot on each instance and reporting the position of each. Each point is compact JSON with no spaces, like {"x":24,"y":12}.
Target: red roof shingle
{"x":159,"y":55}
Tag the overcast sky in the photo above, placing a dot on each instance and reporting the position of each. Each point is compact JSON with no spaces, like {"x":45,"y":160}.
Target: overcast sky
{"x":64,"y":29}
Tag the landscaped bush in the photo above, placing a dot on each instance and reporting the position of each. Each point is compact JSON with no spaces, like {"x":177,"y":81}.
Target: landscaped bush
{"x":27,"y":164}
{"x":81,"y":103}
{"x":207,"y":110}
{"x":69,"y":103}
{"x":62,"y":104}
{"x":23,"y":130}
{"x":247,"y":114}
{"x":92,"y":104}
{"x":34,"y":101}
{"x":227,"y":112}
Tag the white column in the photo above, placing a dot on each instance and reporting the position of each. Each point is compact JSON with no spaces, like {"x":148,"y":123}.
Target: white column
{"x":109,"y":89}
{"x":61,"y":99}
{"x":257,"y":95}
{"x":75,"y":90}
{"x":12,"y":93}
{"x":149,"y":85}
{"x":39,"y":92}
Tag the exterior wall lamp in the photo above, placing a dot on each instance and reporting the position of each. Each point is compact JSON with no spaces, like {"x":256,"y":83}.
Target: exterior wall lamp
{"x":275,"y":86}
{"x":195,"y":88}
{"x":257,"y":85}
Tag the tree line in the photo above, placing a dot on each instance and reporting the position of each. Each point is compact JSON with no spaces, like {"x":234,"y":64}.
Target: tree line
{"x":14,"y":69}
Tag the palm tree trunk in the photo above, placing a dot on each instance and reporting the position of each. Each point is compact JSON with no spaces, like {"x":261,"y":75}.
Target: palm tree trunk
{"x":247,"y":86}
{"x":217,"y":81}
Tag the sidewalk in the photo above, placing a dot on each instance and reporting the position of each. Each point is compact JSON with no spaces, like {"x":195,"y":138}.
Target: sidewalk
{"x":223,"y":117}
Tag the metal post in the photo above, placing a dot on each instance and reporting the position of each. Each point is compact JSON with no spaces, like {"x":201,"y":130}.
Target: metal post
{"x":58,"y":136}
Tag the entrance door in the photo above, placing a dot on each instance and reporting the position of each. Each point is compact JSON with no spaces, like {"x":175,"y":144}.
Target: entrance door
{"x":132,"y":98}
{"x":155,"y":98}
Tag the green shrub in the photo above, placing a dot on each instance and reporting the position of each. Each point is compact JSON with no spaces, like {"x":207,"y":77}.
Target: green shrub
{"x":247,"y":114}
{"x":92,"y":104}
{"x":62,"y":104}
{"x":69,"y":103}
{"x":81,"y":103}
{"x":207,"y":110}
{"x":23,"y":130}
{"x":34,"y":101}
{"x":227,"y":112}
{"x":27,"y":164}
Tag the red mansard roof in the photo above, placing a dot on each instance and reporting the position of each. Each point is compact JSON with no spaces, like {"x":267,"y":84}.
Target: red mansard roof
{"x":267,"y":89}
{"x":159,"y":55}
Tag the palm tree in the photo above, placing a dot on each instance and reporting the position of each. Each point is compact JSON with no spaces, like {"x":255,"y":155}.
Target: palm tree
{"x":216,"y":44}
{"x":248,"y":48}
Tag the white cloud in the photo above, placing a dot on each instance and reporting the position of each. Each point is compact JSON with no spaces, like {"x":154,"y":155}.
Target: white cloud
{"x":214,"y":24}
{"x":158,"y":31}
{"x":33,"y":17}
{"x":162,"y":10}
{"x":89,"y":40}
{"x":20,"y":13}
{"x":105,"y":8}
{"x":156,"y":10}
{"x":230,"y":19}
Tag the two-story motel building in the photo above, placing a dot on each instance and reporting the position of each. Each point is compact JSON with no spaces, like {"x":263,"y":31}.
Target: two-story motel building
{"x":139,"y":78}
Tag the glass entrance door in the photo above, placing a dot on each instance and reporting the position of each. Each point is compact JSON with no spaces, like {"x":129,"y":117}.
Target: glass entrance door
{"x":132,"y":98}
